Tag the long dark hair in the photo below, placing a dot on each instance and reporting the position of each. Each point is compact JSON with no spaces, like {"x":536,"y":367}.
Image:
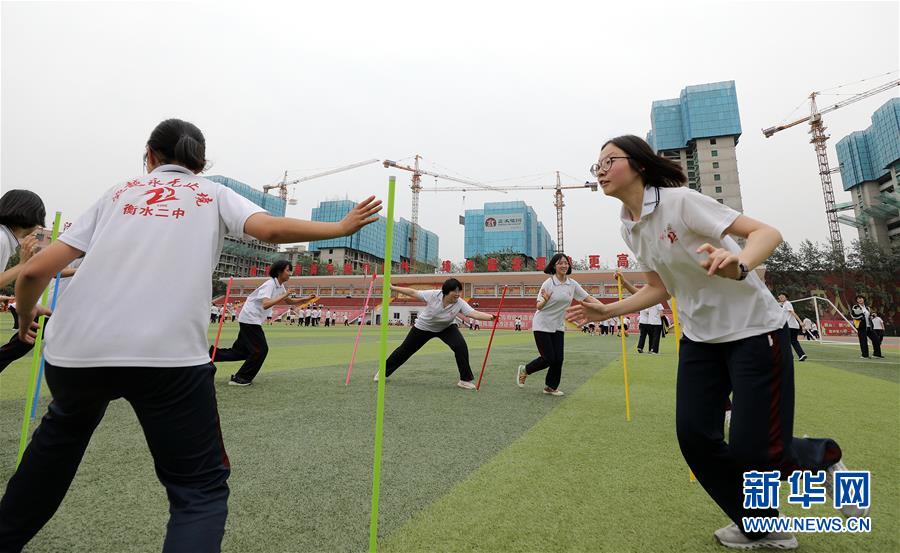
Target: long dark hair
{"x":550,"y":269}
{"x":654,"y":169}
{"x":179,"y":142}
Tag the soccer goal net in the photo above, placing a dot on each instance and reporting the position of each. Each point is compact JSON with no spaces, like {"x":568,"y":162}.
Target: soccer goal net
{"x":822,"y":320}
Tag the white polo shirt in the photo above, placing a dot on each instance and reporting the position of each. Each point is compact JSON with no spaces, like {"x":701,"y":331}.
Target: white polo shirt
{"x":151,"y":245}
{"x":674,"y":223}
{"x":792,"y":321}
{"x":8,"y":245}
{"x":64,"y":282}
{"x":877,"y":323}
{"x":435,"y":317}
{"x":253,"y":312}
{"x":552,"y":317}
{"x":642,"y":316}
{"x":654,"y":314}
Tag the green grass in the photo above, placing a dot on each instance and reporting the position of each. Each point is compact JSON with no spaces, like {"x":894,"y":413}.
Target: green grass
{"x":500,"y":470}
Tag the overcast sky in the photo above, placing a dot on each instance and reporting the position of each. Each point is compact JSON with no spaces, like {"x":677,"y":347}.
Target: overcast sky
{"x":486,"y":91}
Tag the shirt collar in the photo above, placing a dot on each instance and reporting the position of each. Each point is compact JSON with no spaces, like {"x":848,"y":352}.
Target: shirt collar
{"x":172,"y":168}
{"x":13,"y":241}
{"x":651,"y":200}
{"x":557,"y":282}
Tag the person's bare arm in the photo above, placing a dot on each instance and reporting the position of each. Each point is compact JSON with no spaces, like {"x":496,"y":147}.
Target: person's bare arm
{"x":762,"y":239}
{"x":651,"y":294}
{"x":34,"y":278}
{"x":26,"y":250}
{"x":284,"y":230}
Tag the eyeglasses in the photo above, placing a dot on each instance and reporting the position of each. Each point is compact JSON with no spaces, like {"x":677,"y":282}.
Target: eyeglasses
{"x":605,"y":164}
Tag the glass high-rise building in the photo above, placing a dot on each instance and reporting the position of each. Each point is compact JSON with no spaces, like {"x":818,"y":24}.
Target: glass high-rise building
{"x":506,"y":227}
{"x":870,"y":163}
{"x":700,"y":130}
{"x":367,"y":245}
{"x":239,"y":255}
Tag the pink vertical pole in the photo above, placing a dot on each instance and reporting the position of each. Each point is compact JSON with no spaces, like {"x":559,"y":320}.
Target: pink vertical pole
{"x":221,"y":320}
{"x":362,"y":321}
{"x":496,"y":320}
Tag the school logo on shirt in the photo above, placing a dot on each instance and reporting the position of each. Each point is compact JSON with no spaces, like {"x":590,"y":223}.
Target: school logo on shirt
{"x":669,"y":235}
{"x":154,"y":205}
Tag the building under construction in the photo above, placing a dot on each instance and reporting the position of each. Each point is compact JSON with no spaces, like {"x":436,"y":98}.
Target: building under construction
{"x":239,"y":256}
{"x":870,"y":167}
{"x":700,"y":130}
{"x":367,"y":245}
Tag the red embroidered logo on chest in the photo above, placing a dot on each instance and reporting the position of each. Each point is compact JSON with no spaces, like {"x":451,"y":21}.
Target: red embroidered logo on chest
{"x":669,"y":235}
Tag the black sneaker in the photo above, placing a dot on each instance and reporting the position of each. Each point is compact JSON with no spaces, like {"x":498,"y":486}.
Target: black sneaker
{"x":238,"y":381}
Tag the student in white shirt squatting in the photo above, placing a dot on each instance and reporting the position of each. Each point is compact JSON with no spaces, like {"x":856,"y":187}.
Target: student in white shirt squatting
{"x":438,"y":320}
{"x":161,"y":366}
{"x":250,"y":345}
{"x":735,"y":334}
{"x":793,"y":326}
{"x":549,"y":324}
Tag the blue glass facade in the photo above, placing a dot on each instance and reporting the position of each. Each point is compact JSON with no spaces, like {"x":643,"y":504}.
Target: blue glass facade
{"x":869,"y":154}
{"x":273,"y":204}
{"x":701,"y":111}
{"x":371,"y":238}
{"x":504,"y":227}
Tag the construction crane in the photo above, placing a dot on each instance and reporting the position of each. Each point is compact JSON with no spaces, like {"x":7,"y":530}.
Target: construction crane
{"x":557,"y":199}
{"x":817,"y":130}
{"x":282,"y":186}
{"x":416,"y":187}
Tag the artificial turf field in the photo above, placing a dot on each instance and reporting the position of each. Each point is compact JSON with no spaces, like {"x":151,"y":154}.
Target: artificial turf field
{"x":500,"y":470}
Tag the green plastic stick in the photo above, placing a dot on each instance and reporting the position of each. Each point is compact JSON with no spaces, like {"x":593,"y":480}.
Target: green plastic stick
{"x":382,"y":365}
{"x":35,"y":360}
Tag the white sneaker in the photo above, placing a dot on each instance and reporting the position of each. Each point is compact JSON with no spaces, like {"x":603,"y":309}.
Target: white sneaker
{"x":847,"y":510}
{"x":553,"y":392}
{"x":731,"y":536}
{"x":727,"y":422}
{"x":521,"y":375}
{"x":466,"y":384}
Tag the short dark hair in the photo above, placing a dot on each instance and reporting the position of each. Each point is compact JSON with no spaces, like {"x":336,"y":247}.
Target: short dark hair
{"x":22,"y":209}
{"x":179,"y":142}
{"x":276,"y":268}
{"x":450,"y":285}
{"x":861,"y":296}
{"x":550,"y":269}
{"x":654,"y":169}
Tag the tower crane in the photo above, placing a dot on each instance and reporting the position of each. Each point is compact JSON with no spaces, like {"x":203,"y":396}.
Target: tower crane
{"x":416,"y":187}
{"x":557,"y":199}
{"x":817,"y":130}
{"x":282,"y":186}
